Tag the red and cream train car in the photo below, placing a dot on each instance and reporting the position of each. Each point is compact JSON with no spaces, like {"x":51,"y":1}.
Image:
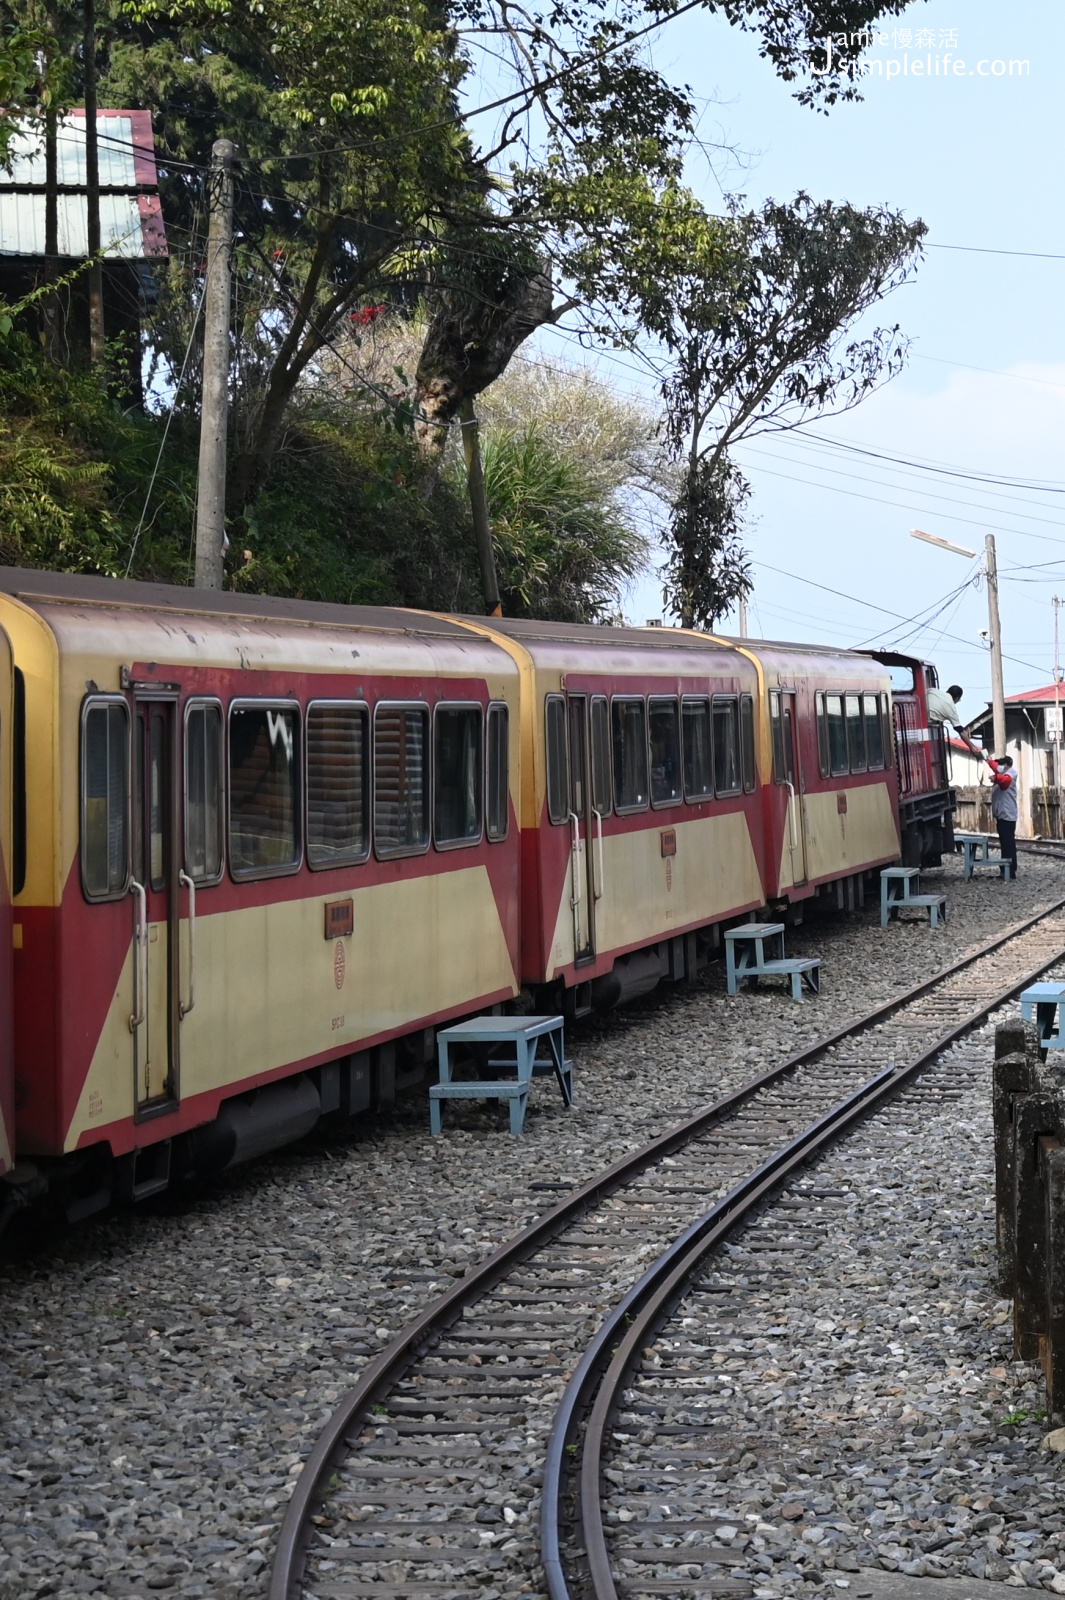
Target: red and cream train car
{"x":641,"y":815}
{"x":11,"y":714}
{"x":223,"y":925}
{"x":830,"y":783}
{"x":253,"y":852}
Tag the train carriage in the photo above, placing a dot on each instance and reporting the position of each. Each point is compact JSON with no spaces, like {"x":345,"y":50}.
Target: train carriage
{"x":640,"y":810}
{"x":830,"y":792}
{"x":926,"y":799}
{"x":262,"y":840}
{"x":10,"y":719}
{"x":253,"y":852}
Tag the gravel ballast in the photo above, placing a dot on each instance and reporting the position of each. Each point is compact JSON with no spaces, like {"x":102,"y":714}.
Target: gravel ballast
{"x":164,"y":1371}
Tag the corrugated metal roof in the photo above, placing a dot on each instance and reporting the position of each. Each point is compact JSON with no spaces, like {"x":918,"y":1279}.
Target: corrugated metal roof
{"x":131,"y":220}
{"x":22,"y":225}
{"x":114,"y":138}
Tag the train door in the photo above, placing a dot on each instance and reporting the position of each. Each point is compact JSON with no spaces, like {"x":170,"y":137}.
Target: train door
{"x":7,"y":872}
{"x":787,"y":770}
{"x":583,"y":841}
{"x":155,"y":888}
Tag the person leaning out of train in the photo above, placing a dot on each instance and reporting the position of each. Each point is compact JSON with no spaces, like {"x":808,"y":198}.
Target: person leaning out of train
{"x":943,"y":704}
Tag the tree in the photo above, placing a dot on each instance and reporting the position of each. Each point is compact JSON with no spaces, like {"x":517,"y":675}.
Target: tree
{"x":362,"y":183}
{"x":357,"y":163}
{"x":565,"y":550}
{"x":707,"y":569}
{"x":22,"y":93}
{"x":768,"y":348}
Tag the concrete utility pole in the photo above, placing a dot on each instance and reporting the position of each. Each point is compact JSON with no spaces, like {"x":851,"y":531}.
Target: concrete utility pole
{"x":998,"y":696}
{"x":743,"y":617}
{"x":92,"y":191}
{"x":214,"y":410}
{"x":1057,"y":603}
{"x":471,"y":449}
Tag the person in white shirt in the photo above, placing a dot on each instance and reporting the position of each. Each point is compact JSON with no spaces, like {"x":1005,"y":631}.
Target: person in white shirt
{"x":943,"y":707}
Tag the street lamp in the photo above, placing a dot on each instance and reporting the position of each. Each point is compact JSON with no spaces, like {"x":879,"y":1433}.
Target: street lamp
{"x":998,"y":694}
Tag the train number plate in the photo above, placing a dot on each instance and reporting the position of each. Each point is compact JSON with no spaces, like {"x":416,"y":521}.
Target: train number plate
{"x":339,"y":919}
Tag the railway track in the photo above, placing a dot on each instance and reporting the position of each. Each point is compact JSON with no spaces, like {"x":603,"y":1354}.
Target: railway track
{"x":428,"y":1477}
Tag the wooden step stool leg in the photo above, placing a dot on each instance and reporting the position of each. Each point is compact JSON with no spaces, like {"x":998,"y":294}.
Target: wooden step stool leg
{"x":436,"y":1124}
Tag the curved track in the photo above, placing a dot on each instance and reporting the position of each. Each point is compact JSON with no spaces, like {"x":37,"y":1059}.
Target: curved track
{"x":423,"y":1481}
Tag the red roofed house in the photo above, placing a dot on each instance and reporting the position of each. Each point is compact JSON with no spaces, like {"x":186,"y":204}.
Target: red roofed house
{"x":131,"y":219}
{"x":1038,"y":759}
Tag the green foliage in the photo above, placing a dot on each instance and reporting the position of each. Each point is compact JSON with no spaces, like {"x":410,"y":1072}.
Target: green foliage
{"x":344,"y":519}
{"x":707,"y":569}
{"x":767,"y":343}
{"x":21,"y":49}
{"x":564,"y":549}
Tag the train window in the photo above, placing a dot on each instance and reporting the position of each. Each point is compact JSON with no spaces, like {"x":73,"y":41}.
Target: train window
{"x":601,"y":798}
{"x":458,"y":779}
{"x":203,"y":791}
{"x":874,"y":731}
{"x":264,"y":789}
{"x":105,"y":799}
{"x":726,"y":745}
{"x":401,"y":780}
{"x":338,"y":786}
{"x":498,"y":818}
{"x":838,"y":762}
{"x":557,"y":759}
{"x":158,"y":798}
{"x":747,"y":742}
{"x":631,"y":788}
{"x":698,"y":759}
{"x":663,"y":721}
{"x":855,"y":732}
{"x":577,"y":705}
{"x":824,"y":760}
{"x":776,"y":725}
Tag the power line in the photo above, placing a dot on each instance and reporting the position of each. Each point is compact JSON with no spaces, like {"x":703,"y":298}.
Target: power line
{"x":996,"y":372}
{"x":948,"y":471}
{"x":988,"y":250}
{"x":870,"y":605}
{"x":949,"y":516}
{"x":926,"y":494}
{"x":169,"y":419}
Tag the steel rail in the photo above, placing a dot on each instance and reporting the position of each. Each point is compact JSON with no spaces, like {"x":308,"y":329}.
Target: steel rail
{"x":594,"y":1387}
{"x":389,"y":1365}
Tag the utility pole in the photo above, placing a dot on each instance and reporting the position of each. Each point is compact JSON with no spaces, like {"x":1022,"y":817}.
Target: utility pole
{"x":743,"y":616}
{"x":214,"y":408}
{"x":471,"y":449}
{"x":92,"y":191}
{"x":1058,"y":603}
{"x":50,"y":304}
{"x":998,"y":696}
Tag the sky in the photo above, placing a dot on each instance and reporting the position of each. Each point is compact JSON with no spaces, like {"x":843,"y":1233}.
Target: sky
{"x":976,"y":151}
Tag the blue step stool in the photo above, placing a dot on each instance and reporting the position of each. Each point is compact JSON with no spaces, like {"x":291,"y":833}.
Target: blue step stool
{"x":1041,"y":1004}
{"x":745,"y":957}
{"x":900,"y":887}
{"x":976,"y":848}
{"x":525,"y":1035}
